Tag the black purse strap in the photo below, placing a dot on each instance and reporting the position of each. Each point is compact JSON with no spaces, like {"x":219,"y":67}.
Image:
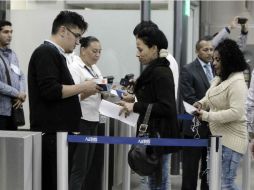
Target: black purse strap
{"x":6,"y":71}
{"x":143,"y":127}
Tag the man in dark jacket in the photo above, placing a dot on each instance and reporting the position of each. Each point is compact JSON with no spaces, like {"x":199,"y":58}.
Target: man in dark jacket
{"x":194,"y":82}
{"x":53,"y":96}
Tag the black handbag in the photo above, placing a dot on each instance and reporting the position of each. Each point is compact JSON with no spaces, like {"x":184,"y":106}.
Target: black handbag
{"x":143,"y":159}
{"x":17,"y":115}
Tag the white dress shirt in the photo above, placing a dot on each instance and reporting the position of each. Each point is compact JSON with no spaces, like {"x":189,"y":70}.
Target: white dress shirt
{"x":175,"y":70}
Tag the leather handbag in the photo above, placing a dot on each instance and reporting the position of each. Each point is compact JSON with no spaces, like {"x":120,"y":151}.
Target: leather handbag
{"x":17,"y":115}
{"x":143,"y":159}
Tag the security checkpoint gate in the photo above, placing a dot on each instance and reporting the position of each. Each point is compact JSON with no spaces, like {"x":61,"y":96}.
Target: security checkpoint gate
{"x":214,"y":144}
{"x":20,"y":160}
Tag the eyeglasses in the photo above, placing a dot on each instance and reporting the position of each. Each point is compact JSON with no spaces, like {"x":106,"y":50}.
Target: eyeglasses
{"x":76,"y":35}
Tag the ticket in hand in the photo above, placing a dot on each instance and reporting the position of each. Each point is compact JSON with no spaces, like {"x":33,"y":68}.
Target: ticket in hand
{"x":118,"y":93}
{"x":103,"y":86}
{"x":103,"y":83}
{"x":190,"y":109}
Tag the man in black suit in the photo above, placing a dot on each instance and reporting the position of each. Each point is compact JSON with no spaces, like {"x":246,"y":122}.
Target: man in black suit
{"x":194,"y":82}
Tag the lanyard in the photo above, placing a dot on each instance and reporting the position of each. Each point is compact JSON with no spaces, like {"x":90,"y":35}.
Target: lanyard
{"x":91,"y":72}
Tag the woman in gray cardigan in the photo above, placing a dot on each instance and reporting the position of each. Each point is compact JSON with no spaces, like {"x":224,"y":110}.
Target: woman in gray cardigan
{"x":225,"y":100}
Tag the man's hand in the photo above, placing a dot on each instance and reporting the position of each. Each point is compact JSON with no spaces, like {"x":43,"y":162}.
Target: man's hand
{"x":17,"y":103}
{"x":90,"y":88}
{"x":21,"y":96}
{"x":233,"y":23}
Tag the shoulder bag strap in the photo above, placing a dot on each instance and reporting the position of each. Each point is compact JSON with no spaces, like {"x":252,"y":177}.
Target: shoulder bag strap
{"x":6,"y":71}
{"x":143,"y":127}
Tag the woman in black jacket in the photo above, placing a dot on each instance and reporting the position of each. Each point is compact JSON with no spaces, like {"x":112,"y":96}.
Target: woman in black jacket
{"x":155,"y":86}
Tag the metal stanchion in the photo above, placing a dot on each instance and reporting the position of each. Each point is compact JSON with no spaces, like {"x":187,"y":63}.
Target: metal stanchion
{"x":246,"y":171}
{"x":215,"y":163}
{"x":127,"y":170}
{"x":106,"y":157}
{"x":62,"y":161}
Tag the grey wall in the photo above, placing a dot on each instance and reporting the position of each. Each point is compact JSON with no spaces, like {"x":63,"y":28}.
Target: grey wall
{"x":217,"y":14}
{"x":112,"y":27}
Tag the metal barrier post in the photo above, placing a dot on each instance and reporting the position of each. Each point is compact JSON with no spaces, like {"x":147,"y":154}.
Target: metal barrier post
{"x":62,"y":161}
{"x":127,"y":170}
{"x":106,"y":157}
{"x":215,"y":163}
{"x":246,"y":171}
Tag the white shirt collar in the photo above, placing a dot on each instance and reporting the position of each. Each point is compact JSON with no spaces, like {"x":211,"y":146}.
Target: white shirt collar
{"x":61,"y":50}
{"x":203,"y":63}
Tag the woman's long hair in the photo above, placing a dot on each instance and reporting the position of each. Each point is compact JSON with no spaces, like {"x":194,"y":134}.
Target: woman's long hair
{"x":232,"y":59}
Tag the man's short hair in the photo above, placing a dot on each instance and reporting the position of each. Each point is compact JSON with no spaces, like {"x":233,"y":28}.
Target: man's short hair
{"x":69,"y":19}
{"x":4,"y":23}
{"x":205,"y":38}
{"x":142,"y":25}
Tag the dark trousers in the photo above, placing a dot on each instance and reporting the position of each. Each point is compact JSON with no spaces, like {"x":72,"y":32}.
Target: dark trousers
{"x":49,"y":161}
{"x":86,"y":167}
{"x":94,"y":179}
{"x":49,"y":164}
{"x":190,"y":167}
{"x":6,"y":123}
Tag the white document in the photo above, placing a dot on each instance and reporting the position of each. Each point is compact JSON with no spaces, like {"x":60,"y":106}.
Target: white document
{"x":112,"y":110}
{"x":190,"y":109}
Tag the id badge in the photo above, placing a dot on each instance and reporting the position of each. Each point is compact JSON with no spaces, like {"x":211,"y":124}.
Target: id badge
{"x":15,"y":69}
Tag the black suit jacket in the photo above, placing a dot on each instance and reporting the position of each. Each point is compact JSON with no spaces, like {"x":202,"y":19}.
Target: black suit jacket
{"x":193,"y":86}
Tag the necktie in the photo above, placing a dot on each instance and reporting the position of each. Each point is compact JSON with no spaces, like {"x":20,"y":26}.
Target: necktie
{"x":208,"y":73}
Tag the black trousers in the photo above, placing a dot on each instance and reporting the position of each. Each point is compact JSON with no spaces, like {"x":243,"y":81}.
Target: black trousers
{"x":6,"y":123}
{"x":49,"y":164}
{"x":49,"y":161}
{"x":87,"y":164}
{"x":190,"y":167}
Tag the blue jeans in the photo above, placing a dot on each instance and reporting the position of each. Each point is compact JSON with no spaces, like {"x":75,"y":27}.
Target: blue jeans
{"x":165,"y":183}
{"x":230,"y":163}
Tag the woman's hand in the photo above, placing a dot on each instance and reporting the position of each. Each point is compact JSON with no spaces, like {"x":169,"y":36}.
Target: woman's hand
{"x":127,"y":108}
{"x":128,"y":97}
{"x":197,"y":105}
{"x":199,"y":114}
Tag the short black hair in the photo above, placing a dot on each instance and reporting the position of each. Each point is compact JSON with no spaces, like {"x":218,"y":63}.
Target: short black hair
{"x":69,"y":19}
{"x":205,"y":38}
{"x":153,"y":36}
{"x":144,"y":24}
{"x":4,"y":23}
{"x":86,"y":41}
{"x":232,"y":59}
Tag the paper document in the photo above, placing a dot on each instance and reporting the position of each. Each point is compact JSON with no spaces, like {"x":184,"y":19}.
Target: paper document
{"x":118,"y":93}
{"x":190,"y":109}
{"x":112,"y":110}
